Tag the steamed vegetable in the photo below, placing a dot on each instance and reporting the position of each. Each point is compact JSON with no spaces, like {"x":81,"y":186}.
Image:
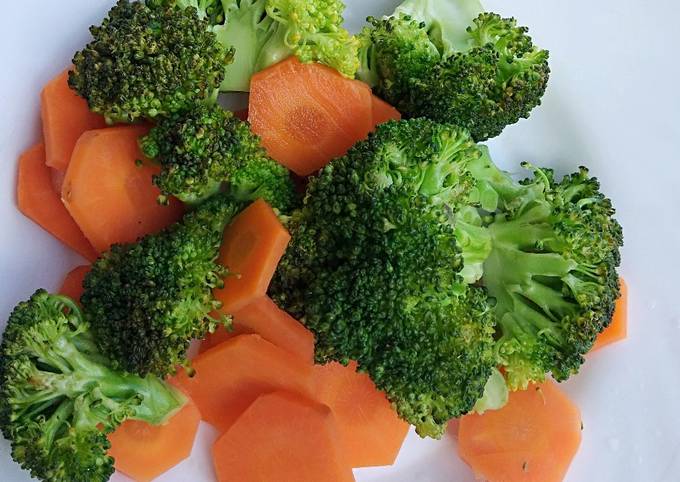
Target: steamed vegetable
{"x":64,"y":116}
{"x":308,"y":114}
{"x":109,"y":194}
{"x":37,"y":200}
{"x":451,"y":62}
{"x":148,"y":299}
{"x":232,"y":375}
{"x":552,"y":269}
{"x":60,"y":395}
{"x":295,"y":440}
{"x":532,"y":439}
{"x":148,"y":60}
{"x":208,"y":149}
{"x":373,"y":270}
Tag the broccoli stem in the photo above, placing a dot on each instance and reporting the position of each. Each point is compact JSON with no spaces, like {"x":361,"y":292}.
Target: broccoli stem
{"x":242,"y":31}
{"x":446,"y":21}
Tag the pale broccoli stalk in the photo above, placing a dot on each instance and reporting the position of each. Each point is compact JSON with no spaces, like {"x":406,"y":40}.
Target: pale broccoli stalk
{"x":264,"y":32}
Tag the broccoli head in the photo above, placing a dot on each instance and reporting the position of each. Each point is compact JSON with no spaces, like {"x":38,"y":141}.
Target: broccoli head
{"x":146,"y":61}
{"x":552,"y":270}
{"x":147,"y":300}
{"x":373,"y":270}
{"x":59,"y":396}
{"x":208,"y":148}
{"x":451,"y":62}
{"x":265,"y":32}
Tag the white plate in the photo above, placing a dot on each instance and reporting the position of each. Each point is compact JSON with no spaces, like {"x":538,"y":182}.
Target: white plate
{"x":612,"y":103}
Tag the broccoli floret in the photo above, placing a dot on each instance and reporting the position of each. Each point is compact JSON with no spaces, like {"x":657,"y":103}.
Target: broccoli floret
{"x":59,"y":396}
{"x":451,"y":62}
{"x":265,"y":32}
{"x":147,"y":300}
{"x":552,"y":270}
{"x":373,"y":270}
{"x":147,"y":61}
{"x":207,"y":148}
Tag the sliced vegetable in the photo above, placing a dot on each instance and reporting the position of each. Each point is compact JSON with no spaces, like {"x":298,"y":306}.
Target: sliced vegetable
{"x":382,"y":111}
{"x":532,"y":439}
{"x":109,"y":195}
{"x":73,"y":283}
{"x":65,"y":116}
{"x":143,"y":451}
{"x":370,"y":430}
{"x":264,"y":318}
{"x":282,"y":437}
{"x":308,"y":114}
{"x":38,"y":201}
{"x":252,"y":247}
{"x":618,"y":328}
{"x":230,"y":376}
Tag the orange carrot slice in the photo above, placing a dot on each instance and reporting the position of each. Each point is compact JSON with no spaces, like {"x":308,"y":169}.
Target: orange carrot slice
{"x":382,"y":111}
{"x":73,"y":283}
{"x":264,"y":318}
{"x":38,"y":201}
{"x":369,"y":429}
{"x":308,"y":114}
{"x":282,"y":437}
{"x":618,"y":328}
{"x":230,"y":376}
{"x":143,"y":451}
{"x":111,"y":198}
{"x":65,"y":116}
{"x":252,"y":247}
{"x":532,"y":439}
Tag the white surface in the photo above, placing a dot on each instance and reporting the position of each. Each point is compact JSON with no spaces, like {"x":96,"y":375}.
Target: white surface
{"x":612,"y":104}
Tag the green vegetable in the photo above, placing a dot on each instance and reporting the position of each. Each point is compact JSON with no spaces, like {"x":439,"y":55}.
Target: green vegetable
{"x":60,"y":396}
{"x":373,"y":269}
{"x":147,"y":300}
{"x":552,"y":271}
{"x":148,"y":62}
{"x":207,"y":148}
{"x":496,"y":393}
{"x":451,"y":62}
{"x":265,"y":32}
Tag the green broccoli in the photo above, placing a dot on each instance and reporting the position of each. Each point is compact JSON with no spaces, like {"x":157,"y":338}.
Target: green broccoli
{"x":59,"y":396}
{"x":147,"y":300}
{"x":149,"y":61}
{"x":206,"y":148}
{"x":373,"y":270}
{"x":552,"y":271}
{"x":451,"y":62}
{"x":265,"y":32}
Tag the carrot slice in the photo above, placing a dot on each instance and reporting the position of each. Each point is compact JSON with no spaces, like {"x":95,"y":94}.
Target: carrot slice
{"x":143,"y":451}
{"x":532,"y":439}
{"x":65,"y":116}
{"x":382,"y":111}
{"x":252,"y":247}
{"x":73,"y":283}
{"x":111,"y":198}
{"x":264,"y":318}
{"x":308,"y":114}
{"x":230,"y":376}
{"x":618,"y":328}
{"x":38,"y":201}
{"x":282,"y":437}
{"x":368,"y":427}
